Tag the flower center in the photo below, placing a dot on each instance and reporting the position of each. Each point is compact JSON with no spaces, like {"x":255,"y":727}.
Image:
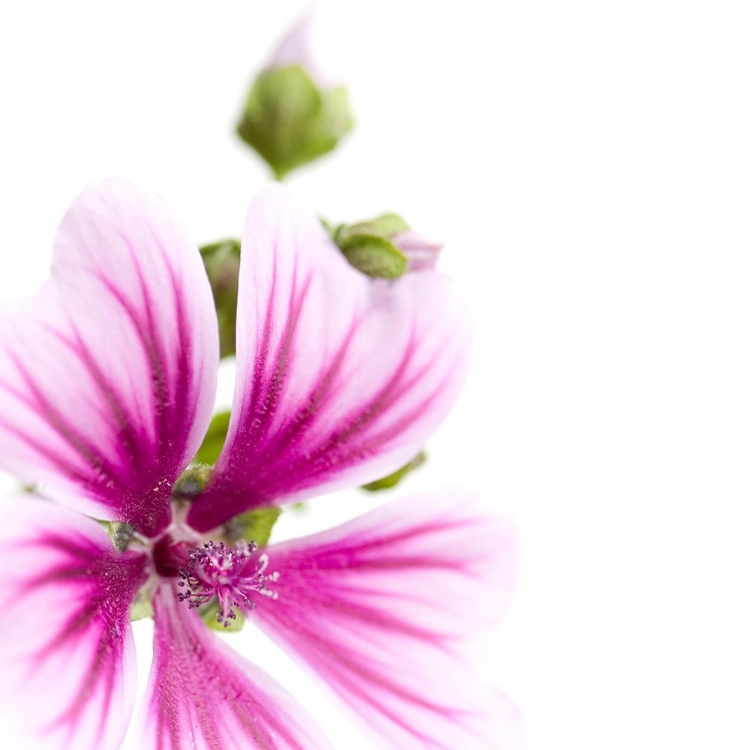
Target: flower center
{"x":234,"y":575}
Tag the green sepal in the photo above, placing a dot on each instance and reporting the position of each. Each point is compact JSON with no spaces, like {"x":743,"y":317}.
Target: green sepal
{"x":141,"y":608}
{"x":120,"y":533}
{"x":212,"y":444}
{"x":332,"y":229}
{"x":374,"y":255}
{"x":210,"y":612}
{"x":191,"y":482}
{"x":289,"y":121}
{"x":385,"y":225}
{"x":222,"y":262}
{"x":393,"y":479}
{"x":252,"y":526}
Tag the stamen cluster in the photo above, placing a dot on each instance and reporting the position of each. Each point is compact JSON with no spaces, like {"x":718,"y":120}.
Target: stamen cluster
{"x":231,"y":574}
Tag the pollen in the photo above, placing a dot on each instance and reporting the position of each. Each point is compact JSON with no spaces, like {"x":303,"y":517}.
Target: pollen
{"x":235,"y":576}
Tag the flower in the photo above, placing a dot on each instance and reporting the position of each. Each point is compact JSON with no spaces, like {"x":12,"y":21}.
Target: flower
{"x":108,"y":378}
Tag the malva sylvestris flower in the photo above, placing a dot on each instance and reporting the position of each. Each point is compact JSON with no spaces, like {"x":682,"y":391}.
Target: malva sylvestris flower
{"x":108,"y":378}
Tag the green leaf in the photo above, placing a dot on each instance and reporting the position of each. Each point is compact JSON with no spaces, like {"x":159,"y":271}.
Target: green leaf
{"x":393,"y":479}
{"x":210,"y":612}
{"x":212,"y":444}
{"x":374,"y":255}
{"x":253,"y":526}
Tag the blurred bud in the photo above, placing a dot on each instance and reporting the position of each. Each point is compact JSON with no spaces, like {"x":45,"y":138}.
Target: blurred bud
{"x":293,"y":113}
{"x":385,"y":247}
{"x":222,"y":262}
{"x":374,"y":255}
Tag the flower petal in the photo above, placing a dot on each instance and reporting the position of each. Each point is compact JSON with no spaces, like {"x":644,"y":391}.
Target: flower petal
{"x":204,"y":696}
{"x":67,"y":666}
{"x":421,"y":252}
{"x":298,"y":47}
{"x":341,"y":378}
{"x":385,"y":608}
{"x":108,"y":373}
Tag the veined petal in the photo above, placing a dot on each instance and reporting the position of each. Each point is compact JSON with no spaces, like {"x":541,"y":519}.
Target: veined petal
{"x":204,"y":696}
{"x":108,"y":373}
{"x":67,"y":666}
{"x":385,"y":608}
{"x":340,"y":378}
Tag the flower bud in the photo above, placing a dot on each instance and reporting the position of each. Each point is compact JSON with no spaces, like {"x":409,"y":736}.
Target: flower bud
{"x":385,"y":247}
{"x":293,"y":114}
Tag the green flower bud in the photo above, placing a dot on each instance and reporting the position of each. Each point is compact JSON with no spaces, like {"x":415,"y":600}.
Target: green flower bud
{"x":293,"y":115}
{"x":374,"y":256}
{"x":384,"y":247}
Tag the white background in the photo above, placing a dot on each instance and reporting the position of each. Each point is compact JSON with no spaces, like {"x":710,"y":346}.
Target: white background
{"x":588,"y":165}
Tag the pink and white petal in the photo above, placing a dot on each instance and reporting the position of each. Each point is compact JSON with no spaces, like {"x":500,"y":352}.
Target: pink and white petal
{"x":108,"y":373}
{"x":204,"y":696}
{"x":67,"y":662}
{"x":298,"y":47}
{"x":421,"y":252}
{"x":387,"y":610}
{"x":340,"y":378}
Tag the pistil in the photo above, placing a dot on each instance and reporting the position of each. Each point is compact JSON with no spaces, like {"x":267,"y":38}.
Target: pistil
{"x":236,"y":576}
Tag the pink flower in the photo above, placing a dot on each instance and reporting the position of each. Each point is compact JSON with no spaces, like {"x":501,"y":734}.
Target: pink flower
{"x":108,"y":378}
